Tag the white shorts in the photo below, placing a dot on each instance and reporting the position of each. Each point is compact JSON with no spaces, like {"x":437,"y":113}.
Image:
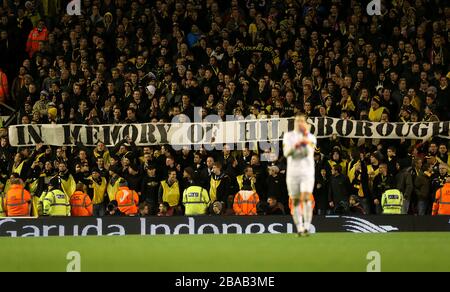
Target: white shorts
{"x":298,"y":185}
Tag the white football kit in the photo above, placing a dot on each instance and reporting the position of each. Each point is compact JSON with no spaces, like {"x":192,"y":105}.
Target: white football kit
{"x":300,"y":172}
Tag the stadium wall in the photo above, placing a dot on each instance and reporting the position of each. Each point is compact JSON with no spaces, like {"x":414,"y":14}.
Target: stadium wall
{"x":83,"y":226}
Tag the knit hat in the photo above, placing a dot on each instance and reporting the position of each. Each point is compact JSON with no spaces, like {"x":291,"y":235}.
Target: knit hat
{"x":376,"y":98}
{"x":52,"y":112}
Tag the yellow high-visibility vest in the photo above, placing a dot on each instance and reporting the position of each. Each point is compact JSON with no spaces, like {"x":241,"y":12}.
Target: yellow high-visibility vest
{"x":112,"y":189}
{"x":99,"y":191}
{"x":171,"y":194}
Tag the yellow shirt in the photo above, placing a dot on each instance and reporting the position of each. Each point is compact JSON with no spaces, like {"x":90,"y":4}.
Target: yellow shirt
{"x":375,"y":115}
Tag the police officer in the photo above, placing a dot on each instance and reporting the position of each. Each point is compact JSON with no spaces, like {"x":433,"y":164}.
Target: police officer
{"x":55,"y":202}
{"x":195,"y":198}
{"x":392,"y":201}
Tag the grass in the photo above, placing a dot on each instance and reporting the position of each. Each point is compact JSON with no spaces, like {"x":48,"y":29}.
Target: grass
{"x":425,"y":251}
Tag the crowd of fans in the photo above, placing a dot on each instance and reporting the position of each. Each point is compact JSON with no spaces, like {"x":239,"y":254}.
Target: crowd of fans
{"x":142,"y":61}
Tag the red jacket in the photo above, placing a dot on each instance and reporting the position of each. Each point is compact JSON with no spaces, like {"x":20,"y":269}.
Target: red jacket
{"x":4,"y":89}
{"x":34,"y":38}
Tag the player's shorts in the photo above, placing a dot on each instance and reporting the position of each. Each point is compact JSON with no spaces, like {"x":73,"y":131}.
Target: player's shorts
{"x":298,"y":185}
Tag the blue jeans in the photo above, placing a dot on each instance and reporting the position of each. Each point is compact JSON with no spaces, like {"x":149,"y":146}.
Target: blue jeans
{"x":422,"y":207}
{"x":99,"y":210}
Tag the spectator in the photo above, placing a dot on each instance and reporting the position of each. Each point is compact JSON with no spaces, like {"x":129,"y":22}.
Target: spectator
{"x":165,"y":210}
{"x":96,"y":188}
{"x":274,"y":207}
{"x":404,"y":183}
{"x":276,"y":185}
{"x":105,"y":70}
{"x":422,"y":185}
{"x":144,"y":209}
{"x":338,"y":190}
{"x":321,"y":192}
{"x":150,"y":186}
{"x":220,"y":184}
{"x":355,"y":206}
{"x":112,"y":209}
{"x":4,"y":89}
{"x":216,"y":208}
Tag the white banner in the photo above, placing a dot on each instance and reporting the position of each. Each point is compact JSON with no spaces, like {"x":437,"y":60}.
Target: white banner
{"x":242,"y":131}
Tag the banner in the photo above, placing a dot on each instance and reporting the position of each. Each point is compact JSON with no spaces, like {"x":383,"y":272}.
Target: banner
{"x":84,"y":226}
{"x":228,"y":132}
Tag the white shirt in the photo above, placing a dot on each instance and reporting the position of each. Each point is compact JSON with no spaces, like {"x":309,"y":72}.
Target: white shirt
{"x":300,"y":162}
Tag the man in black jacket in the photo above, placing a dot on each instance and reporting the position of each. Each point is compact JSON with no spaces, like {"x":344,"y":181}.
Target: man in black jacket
{"x":220,"y":184}
{"x":321,"y":188}
{"x":404,"y":183}
{"x":338,"y":191}
{"x":276,"y":185}
{"x":150,"y":188}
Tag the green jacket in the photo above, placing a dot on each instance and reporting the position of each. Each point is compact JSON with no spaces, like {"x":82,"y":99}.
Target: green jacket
{"x":392,"y":202}
{"x":55,"y":203}
{"x":195,"y":200}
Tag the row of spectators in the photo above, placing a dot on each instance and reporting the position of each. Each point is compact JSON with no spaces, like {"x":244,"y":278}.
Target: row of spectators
{"x":149,"y":61}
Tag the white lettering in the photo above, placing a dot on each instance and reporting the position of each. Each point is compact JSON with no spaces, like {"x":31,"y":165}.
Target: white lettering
{"x":154,"y":227}
{"x":261,"y":227}
{"x":120,"y":230}
{"x":98,"y":228}
{"x":74,"y":7}
{"x":190,"y":227}
{"x":237,"y":227}
{"x":212,"y":226}
{"x":74,"y":259}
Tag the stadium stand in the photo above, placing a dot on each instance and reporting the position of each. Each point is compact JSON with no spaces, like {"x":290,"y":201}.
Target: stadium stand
{"x":132,"y":62}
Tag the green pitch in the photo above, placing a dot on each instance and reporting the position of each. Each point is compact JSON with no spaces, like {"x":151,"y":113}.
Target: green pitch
{"x":284,"y":252}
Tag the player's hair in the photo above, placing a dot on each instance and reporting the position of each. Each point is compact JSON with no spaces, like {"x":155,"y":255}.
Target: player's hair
{"x":300,"y":115}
